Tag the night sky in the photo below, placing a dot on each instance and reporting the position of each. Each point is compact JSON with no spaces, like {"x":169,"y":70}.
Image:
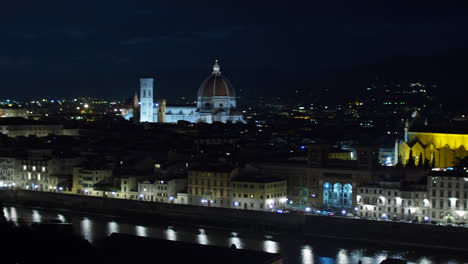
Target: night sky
{"x":101,"y":48}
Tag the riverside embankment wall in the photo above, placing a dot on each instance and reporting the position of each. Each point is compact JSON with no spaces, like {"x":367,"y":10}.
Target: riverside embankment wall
{"x":385,"y":232}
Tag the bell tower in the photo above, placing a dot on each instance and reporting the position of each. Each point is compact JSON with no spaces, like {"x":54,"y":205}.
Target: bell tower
{"x":146,"y":100}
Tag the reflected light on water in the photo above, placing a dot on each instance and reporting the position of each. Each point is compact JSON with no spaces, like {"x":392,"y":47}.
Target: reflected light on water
{"x":36,"y":217}
{"x":172,"y":235}
{"x":270,"y":246}
{"x":380,"y":257}
{"x":6,"y":214}
{"x":236,"y":241}
{"x":112,"y":227}
{"x":424,"y":260}
{"x":202,"y":238}
{"x":61,"y":218}
{"x":307,"y":255}
{"x":86,"y":229}
{"x":355,"y":256}
{"x":141,"y":231}
{"x":13,"y":215}
{"x":342,"y":257}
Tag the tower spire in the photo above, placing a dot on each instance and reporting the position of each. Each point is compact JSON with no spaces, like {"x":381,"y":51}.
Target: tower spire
{"x":216,"y":68}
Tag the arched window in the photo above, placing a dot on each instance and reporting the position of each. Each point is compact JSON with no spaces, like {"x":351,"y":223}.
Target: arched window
{"x":326,"y":194}
{"x":337,"y":195}
{"x":347,"y":195}
{"x":221,"y":105}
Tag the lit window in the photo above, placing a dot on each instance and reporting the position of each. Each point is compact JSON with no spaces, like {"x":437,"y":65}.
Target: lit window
{"x":43,"y":169}
{"x":34,"y":168}
{"x":38,"y":176}
{"x":24,"y":167}
{"x":29,"y":175}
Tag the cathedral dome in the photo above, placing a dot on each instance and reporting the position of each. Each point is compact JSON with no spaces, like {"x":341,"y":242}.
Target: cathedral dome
{"x":216,"y":85}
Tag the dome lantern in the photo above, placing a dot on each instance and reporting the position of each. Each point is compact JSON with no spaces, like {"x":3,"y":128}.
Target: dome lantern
{"x":216,"y":68}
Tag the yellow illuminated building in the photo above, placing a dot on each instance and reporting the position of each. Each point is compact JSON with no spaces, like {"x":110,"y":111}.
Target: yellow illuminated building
{"x":343,"y":155}
{"x":441,"y":149}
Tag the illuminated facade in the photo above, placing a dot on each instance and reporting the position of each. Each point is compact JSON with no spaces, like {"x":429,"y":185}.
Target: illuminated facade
{"x":8,"y":172}
{"x":337,"y":195}
{"x":84,"y":180}
{"x":389,"y":200}
{"x":449,"y":196}
{"x":161,"y":190}
{"x":440,"y":150}
{"x":216,"y":102}
{"x":263,"y":194}
{"x":210,"y":186}
{"x":47,"y":175}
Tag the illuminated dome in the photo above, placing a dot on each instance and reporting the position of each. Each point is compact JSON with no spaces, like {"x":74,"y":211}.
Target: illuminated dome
{"x":216,"y":85}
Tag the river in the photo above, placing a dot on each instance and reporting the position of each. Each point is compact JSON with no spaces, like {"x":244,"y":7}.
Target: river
{"x":95,"y":227}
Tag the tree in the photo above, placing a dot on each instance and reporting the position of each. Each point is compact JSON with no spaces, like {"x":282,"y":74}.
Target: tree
{"x":410,"y":163}
{"x":400,"y":162}
{"x":461,"y":163}
{"x":427,"y":163}
{"x":421,"y":160}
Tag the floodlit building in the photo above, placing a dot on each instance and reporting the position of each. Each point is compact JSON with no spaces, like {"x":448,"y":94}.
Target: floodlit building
{"x":258,"y":193}
{"x":161,"y":190}
{"x":86,"y":178}
{"x":13,"y":112}
{"x":448,"y":190}
{"x":392,"y":200}
{"x":46,"y":174}
{"x":210,"y":185}
{"x":439,"y":150}
{"x":216,"y":102}
{"x":8,"y":172}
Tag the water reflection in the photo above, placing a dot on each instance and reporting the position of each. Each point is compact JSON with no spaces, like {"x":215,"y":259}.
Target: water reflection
{"x":36,"y":217}
{"x":6,"y":214}
{"x":307,"y":255}
{"x":236,"y":241}
{"x":13,"y":215}
{"x":86,"y":227}
{"x":270,"y":246}
{"x":202,"y":238}
{"x":342,"y":257}
{"x":61,"y":218}
{"x":94,"y":229}
{"x":424,"y":260}
{"x":379,"y":257}
{"x":141,"y":231}
{"x":112,"y":227}
{"x":172,"y":235}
